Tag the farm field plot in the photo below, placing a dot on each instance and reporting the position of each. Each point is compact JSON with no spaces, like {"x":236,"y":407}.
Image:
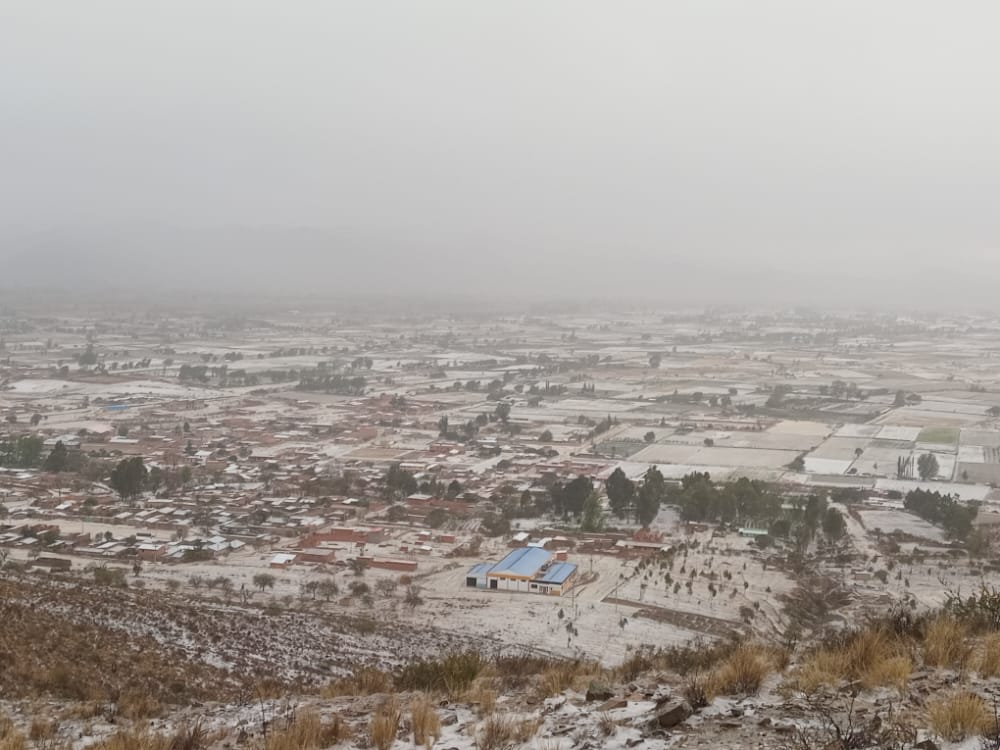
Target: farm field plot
{"x":772,"y":440}
{"x":897,"y":520}
{"x":744,"y":457}
{"x":939,"y":435}
{"x":667,"y":454}
{"x":840,"y":449}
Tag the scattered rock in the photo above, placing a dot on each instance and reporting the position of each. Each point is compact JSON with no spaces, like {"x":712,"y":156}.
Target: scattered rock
{"x":599,"y":692}
{"x":612,"y":704}
{"x":671,"y":713}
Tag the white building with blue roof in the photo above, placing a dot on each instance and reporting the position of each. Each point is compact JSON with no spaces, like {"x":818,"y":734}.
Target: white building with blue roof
{"x":528,"y":569}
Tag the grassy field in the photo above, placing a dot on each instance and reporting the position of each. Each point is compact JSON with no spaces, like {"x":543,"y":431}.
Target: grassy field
{"x":939,"y":435}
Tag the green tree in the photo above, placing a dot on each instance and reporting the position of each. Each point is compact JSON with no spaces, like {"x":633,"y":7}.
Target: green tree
{"x":399,"y":481}
{"x":978,"y":544}
{"x":545,"y":437}
{"x":621,"y":492}
{"x":593,"y":516}
{"x":23,"y":452}
{"x":650,"y":494}
{"x":155,"y":479}
{"x":57,"y":458}
{"x":833,"y":524}
{"x":655,"y":359}
{"x":436,"y":518}
{"x":900,"y":399}
{"x":503,"y":411}
{"x":264,"y":581}
{"x":927,"y":466}
{"x":575,"y":494}
{"x":128,"y":478}
{"x":89,"y":356}
{"x":647,"y":504}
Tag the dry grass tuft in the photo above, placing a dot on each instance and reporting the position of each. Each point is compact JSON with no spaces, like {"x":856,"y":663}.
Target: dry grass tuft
{"x":483,"y":697}
{"x":946,"y":643}
{"x":42,"y":729}
{"x":133,"y":740}
{"x":873,"y":656}
{"x":496,"y":733}
{"x":562,"y":676}
{"x":989,"y":657}
{"x":424,"y":721}
{"x":959,"y":716}
{"x":139,"y":705}
{"x":10,"y":737}
{"x":525,"y":729}
{"x":606,"y":724}
{"x":306,"y":731}
{"x":451,"y":674}
{"x":190,"y":737}
{"x":364,"y":681}
{"x":893,"y":671}
{"x":385,"y":724}
{"x":742,"y":672}
{"x":684,"y":660}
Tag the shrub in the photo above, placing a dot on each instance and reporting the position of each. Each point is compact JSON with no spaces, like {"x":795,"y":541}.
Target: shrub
{"x":695,"y":692}
{"x":451,"y":674}
{"x":979,"y":611}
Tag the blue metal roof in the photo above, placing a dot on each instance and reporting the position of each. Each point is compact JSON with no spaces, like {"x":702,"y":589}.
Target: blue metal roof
{"x":557,"y":573}
{"x":525,"y":561}
{"x":479,"y":570}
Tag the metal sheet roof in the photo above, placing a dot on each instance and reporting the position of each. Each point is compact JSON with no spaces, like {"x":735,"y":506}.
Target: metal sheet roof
{"x":557,"y":573}
{"x":525,"y":561}
{"x":479,"y":570}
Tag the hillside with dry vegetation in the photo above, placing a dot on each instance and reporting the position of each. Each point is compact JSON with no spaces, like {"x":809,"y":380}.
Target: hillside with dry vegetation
{"x":81,"y":666}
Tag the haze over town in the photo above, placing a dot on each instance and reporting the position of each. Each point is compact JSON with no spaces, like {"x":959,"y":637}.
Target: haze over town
{"x":789,"y":152}
{"x":499,"y":376}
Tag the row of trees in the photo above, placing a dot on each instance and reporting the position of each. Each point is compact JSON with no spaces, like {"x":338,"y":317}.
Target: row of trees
{"x":943,"y":510}
{"x":640,"y":500}
{"x":26,"y":451}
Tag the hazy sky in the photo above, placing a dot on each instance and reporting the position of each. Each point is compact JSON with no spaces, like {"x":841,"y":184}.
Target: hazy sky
{"x":654,"y":143}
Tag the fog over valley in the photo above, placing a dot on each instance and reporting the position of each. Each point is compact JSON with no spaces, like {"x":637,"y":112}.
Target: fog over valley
{"x":693,"y":152}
